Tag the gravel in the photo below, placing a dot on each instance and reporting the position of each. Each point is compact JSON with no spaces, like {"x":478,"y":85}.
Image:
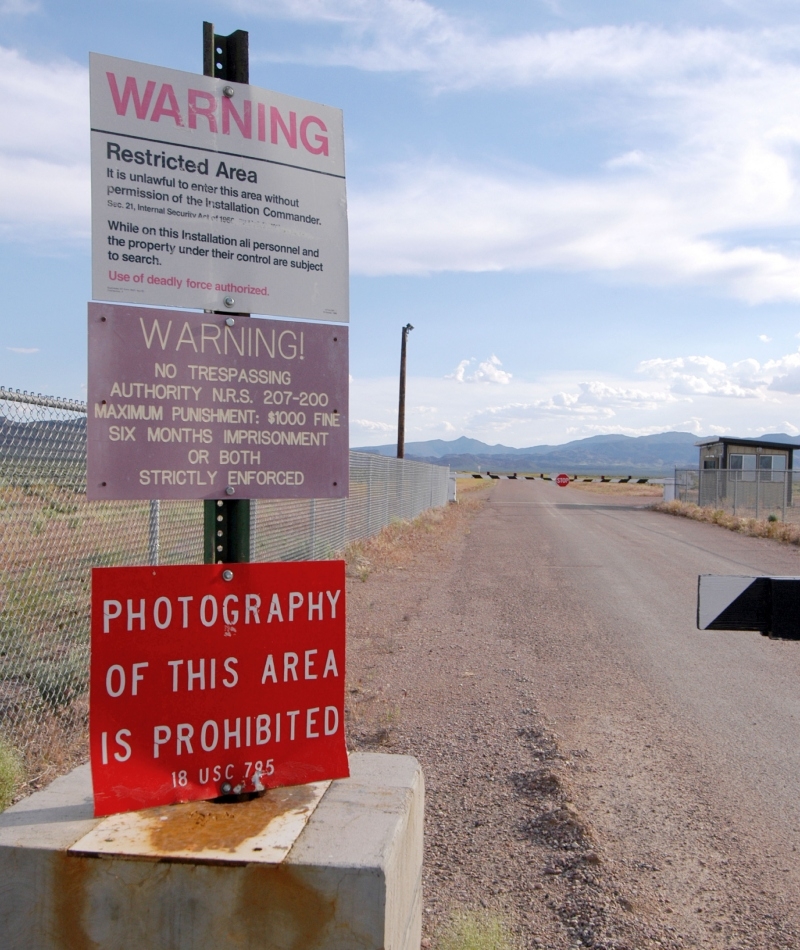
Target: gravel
{"x":442,"y":665}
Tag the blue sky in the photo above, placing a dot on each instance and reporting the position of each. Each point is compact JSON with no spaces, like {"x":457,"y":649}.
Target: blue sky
{"x":589,"y":211}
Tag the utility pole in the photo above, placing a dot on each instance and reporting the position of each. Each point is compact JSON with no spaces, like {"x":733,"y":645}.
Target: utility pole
{"x":401,"y":413}
{"x":226,"y":522}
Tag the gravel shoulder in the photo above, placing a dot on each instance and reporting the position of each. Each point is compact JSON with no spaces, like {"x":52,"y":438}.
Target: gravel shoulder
{"x":574,"y":787}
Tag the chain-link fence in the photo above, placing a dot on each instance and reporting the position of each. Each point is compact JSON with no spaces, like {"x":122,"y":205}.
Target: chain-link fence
{"x":746,"y":493}
{"x":51,"y":537}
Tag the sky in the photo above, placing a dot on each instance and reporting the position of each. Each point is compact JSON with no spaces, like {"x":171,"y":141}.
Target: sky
{"x":588,"y":211}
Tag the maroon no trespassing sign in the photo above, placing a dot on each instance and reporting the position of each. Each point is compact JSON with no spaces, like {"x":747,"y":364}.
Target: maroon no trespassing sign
{"x":202,"y":686}
{"x":186,"y":405}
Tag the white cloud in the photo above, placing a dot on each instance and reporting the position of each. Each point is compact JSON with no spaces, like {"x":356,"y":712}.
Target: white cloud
{"x":705,"y":189}
{"x":706,"y":376}
{"x":458,"y":53}
{"x":486,"y":372}
{"x":25,"y":350}
{"x":370,"y":425}
{"x":710,"y":115}
{"x":634,"y":159}
{"x":699,"y":394}
{"x":764,"y":338}
{"x":19,"y":7}
{"x":745,"y":379}
{"x":44,"y":155}
{"x":434,"y":217}
{"x":788,"y":383}
{"x":600,"y":394}
{"x":587,"y":400}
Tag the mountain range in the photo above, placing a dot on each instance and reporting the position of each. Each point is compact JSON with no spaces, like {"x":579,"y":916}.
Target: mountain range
{"x":657,"y":454}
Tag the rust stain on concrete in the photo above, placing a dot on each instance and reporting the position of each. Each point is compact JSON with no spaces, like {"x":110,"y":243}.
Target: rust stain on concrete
{"x":206,"y":826}
{"x":70,"y":879}
{"x":279,"y":910}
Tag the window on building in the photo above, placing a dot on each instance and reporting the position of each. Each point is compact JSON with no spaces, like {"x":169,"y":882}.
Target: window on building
{"x":774,"y":464}
{"x":709,"y":463}
{"x":744,"y":466}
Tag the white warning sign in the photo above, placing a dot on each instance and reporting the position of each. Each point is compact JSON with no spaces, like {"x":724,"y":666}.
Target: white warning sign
{"x":215,"y":195}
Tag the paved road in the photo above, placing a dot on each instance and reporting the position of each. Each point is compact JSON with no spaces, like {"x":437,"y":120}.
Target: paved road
{"x":664,"y":813}
{"x":691,"y":739}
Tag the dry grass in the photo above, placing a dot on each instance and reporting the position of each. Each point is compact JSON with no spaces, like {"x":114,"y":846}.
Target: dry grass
{"x":752,"y":527}
{"x":10,"y":775}
{"x":398,"y":543}
{"x":469,"y":485}
{"x":47,"y":743}
{"x":625,"y":489}
{"x":475,"y":930}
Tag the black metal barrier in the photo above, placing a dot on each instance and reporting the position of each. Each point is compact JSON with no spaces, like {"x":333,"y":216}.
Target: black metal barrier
{"x":770,"y":605}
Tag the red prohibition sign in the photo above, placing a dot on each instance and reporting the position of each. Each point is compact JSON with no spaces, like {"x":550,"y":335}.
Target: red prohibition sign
{"x":562,"y":480}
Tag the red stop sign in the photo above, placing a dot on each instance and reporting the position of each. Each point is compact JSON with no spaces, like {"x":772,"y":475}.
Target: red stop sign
{"x":562,"y":480}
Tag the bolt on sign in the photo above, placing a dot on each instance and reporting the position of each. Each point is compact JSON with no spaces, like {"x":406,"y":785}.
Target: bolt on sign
{"x":208,"y":680}
{"x":215,"y":195}
{"x":189,"y":405}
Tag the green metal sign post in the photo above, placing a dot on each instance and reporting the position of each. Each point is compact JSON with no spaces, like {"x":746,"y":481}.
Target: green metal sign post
{"x":226,"y":523}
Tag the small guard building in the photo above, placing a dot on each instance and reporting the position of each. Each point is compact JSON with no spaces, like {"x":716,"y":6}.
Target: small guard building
{"x":746,"y":455}
{"x":735,"y":469}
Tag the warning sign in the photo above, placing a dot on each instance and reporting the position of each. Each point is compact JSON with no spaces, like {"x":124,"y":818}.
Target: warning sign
{"x":215,"y":195}
{"x":187,"y":405}
{"x":212,"y":679}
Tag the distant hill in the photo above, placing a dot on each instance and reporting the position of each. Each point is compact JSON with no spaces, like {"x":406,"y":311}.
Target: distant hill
{"x":781,"y":437}
{"x":437,"y":448}
{"x":51,"y":440}
{"x":657,"y":454}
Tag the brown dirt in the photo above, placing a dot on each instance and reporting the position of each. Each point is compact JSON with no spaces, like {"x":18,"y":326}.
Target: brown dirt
{"x":629,"y":489}
{"x":504,"y":832}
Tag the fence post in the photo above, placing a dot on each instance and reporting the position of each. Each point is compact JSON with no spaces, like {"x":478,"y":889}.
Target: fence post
{"x":154,"y":533}
{"x":226,"y":523}
{"x":783,"y":498}
{"x":388,"y":473}
{"x":369,"y":498}
{"x":758,"y":490}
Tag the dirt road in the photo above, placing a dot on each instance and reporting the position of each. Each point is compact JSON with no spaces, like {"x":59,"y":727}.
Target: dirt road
{"x":599,"y":772}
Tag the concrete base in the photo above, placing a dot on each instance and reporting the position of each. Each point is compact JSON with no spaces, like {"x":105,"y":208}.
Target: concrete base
{"x":351,"y":881}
